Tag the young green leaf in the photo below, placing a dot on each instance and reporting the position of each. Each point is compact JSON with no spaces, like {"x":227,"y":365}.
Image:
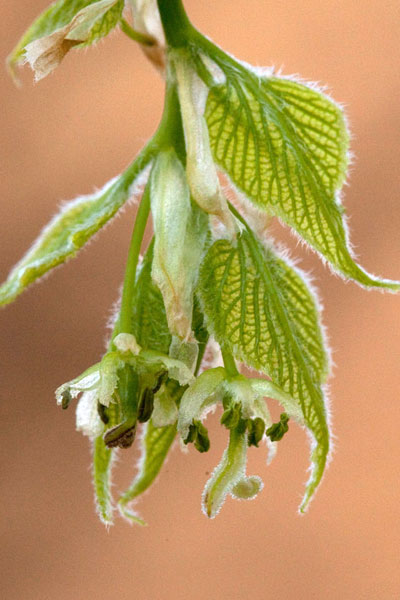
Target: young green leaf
{"x":259,"y":306}
{"x":77,"y":222}
{"x":284,"y":145}
{"x":64,"y":24}
{"x":155,"y":445}
{"x":103,"y":459}
{"x":149,"y":322}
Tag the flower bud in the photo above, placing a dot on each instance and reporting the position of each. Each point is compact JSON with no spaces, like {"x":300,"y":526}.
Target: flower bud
{"x":180,"y":231}
{"x":200,"y":168}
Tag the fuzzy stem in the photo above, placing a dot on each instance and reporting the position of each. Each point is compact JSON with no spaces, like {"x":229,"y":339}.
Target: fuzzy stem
{"x":229,"y":362}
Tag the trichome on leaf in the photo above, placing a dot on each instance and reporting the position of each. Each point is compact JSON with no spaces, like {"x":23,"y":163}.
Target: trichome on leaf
{"x":209,"y":285}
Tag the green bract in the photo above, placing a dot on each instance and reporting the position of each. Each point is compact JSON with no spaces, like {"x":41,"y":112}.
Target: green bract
{"x":207,"y":279}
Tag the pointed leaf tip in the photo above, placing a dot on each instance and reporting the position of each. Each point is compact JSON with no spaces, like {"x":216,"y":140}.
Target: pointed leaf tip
{"x":285,"y":146}
{"x":71,"y":229}
{"x":155,"y":444}
{"x":259,"y":306}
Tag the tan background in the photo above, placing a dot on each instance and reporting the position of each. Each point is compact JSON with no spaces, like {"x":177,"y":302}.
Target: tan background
{"x":77,"y":129}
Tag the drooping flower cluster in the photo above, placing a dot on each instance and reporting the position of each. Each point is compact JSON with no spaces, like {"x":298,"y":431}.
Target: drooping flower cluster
{"x":207,"y":276}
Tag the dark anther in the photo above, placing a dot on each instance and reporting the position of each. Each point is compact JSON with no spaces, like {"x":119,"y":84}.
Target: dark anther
{"x":255,"y":428}
{"x":198,"y":435}
{"x":120,"y":436}
{"x":65,"y":399}
{"x":278,"y":430}
{"x":231,"y":416}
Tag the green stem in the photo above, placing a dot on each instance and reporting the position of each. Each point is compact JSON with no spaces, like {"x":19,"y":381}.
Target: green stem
{"x":136,"y":36}
{"x":124,"y":323}
{"x":176,"y":25}
{"x":229,"y":363}
{"x":169,"y":133}
{"x":239,"y":217}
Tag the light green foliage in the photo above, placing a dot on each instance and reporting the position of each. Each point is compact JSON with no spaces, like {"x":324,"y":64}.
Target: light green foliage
{"x":149,"y":322}
{"x":155,"y":445}
{"x":105,"y":23}
{"x":208,"y":286}
{"x":285,"y":146}
{"x":58,"y":15}
{"x":102,"y":468}
{"x":102,"y":459}
{"x":71,"y":229}
{"x":259,"y":306}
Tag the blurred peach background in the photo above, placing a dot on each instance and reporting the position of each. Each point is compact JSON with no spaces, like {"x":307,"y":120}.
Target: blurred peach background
{"x":74,"y":131}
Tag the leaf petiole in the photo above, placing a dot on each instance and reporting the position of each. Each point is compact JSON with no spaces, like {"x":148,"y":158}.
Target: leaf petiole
{"x":124,"y":323}
{"x":229,"y":362}
{"x":136,"y":36}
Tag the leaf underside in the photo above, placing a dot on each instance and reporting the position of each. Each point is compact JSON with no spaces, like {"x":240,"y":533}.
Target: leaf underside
{"x":102,"y":467}
{"x":149,"y":321}
{"x":155,"y":445}
{"x":68,"y":231}
{"x":106,"y":23}
{"x":261,"y":309}
{"x":284,"y":145}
